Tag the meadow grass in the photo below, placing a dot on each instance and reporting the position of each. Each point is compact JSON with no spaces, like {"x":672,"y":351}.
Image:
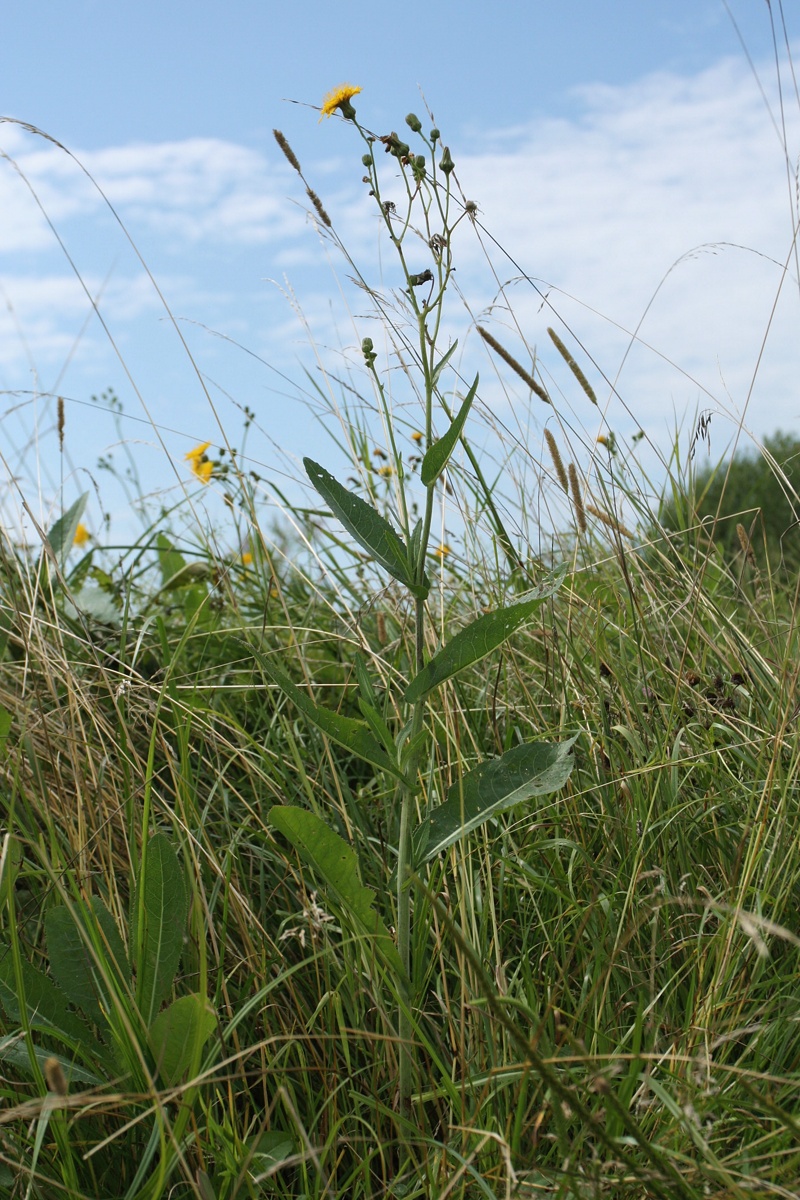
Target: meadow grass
{"x":599,"y":988}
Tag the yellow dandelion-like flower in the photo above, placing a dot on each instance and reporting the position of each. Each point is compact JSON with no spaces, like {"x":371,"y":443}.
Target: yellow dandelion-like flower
{"x":82,"y":535}
{"x":339,"y":97}
{"x":602,"y":441}
{"x":416,"y":436}
{"x":247,"y":559}
{"x":442,"y":551}
{"x":201,"y":465}
{"x":386,"y":472}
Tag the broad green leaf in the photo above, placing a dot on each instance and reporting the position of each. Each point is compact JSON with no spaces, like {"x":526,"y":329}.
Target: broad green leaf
{"x":158,"y":924}
{"x":442,"y":363}
{"x":170,"y":560}
{"x":46,"y":1004}
{"x":526,"y":771}
{"x":437,"y":455}
{"x":353,"y":735}
{"x":61,"y":534}
{"x":479,"y":638}
{"x":96,"y":603}
{"x":336,"y":864}
{"x":178,"y":1034}
{"x":15,"y":1053}
{"x":77,"y":969}
{"x":372,"y":531}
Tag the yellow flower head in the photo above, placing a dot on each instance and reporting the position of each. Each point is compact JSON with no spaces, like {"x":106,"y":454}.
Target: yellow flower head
{"x":82,"y":535}
{"x":340,"y":97}
{"x":201,"y":466}
{"x":386,"y":472}
{"x":442,"y":551}
{"x":247,"y":559}
{"x":416,"y":436}
{"x":602,"y":441}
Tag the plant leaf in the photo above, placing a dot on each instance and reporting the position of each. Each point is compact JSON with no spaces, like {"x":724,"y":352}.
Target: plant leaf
{"x":437,"y":455}
{"x":442,"y":363}
{"x":336,"y":864}
{"x":523,"y":772}
{"x":178,"y":1034}
{"x":160,"y":904}
{"x":170,"y":560}
{"x":74,"y":965}
{"x":45,"y":1002}
{"x":61,"y":534}
{"x":479,"y":638}
{"x":372,"y":531}
{"x":346,"y":731}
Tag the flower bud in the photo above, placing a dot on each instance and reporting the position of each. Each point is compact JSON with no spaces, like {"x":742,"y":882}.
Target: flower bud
{"x":435,"y":135}
{"x":413,"y":122}
{"x":366,"y":160}
{"x":367,"y":351}
{"x":447,"y":164}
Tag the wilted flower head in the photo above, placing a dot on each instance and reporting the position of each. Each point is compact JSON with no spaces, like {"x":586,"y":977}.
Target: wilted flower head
{"x":340,"y":98}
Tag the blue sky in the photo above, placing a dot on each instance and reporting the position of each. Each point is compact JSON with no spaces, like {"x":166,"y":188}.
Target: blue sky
{"x":622,"y":153}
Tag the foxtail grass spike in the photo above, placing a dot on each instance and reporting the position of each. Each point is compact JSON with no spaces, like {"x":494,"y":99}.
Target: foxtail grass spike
{"x":573,"y":366}
{"x":287,"y":150}
{"x":611,"y":522}
{"x":558,"y":462}
{"x":315,"y":200}
{"x":515,"y":366}
{"x":577,"y":499}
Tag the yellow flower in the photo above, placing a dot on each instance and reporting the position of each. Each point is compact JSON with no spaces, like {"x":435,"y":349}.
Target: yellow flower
{"x":386,"y":472}
{"x":82,"y":535}
{"x":247,"y":558}
{"x":416,"y":436}
{"x":340,"y":97}
{"x":442,"y":551}
{"x":201,"y":466}
{"x":602,"y":441}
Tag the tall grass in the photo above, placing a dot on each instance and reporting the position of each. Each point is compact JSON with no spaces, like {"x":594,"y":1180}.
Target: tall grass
{"x":601,"y":990}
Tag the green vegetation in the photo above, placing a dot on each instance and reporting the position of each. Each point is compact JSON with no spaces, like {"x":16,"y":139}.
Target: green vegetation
{"x":361,"y":863}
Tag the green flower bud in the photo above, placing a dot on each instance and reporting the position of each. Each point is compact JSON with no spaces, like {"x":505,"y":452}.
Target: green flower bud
{"x":413,"y":122}
{"x":366,"y":160}
{"x":368,"y":352}
{"x":435,"y":135}
{"x":447,"y":164}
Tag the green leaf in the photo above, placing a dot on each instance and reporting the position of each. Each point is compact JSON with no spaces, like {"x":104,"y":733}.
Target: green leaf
{"x":178,"y":1034}
{"x":336,"y":864}
{"x":442,"y":363}
{"x":346,"y":731}
{"x":6,"y":721}
{"x":158,"y":923}
{"x":46,"y":1004}
{"x":61,"y":535}
{"x":526,"y":771}
{"x":15,"y":1053}
{"x":75,"y":966}
{"x":170,"y":560}
{"x":437,"y":455}
{"x":367,"y":526}
{"x":479,"y":638}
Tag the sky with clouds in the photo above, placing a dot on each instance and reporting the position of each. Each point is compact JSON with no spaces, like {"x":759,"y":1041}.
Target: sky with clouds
{"x":635,"y":171}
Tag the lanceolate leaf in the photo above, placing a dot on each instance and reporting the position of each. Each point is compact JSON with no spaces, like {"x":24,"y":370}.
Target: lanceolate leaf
{"x":336,"y":864}
{"x":46,"y":1004}
{"x":158,"y":923}
{"x":367,"y":526}
{"x":479,"y":638}
{"x":61,"y":534}
{"x":353,"y":735}
{"x":521,"y":773}
{"x":437,"y":456}
{"x":442,"y":363}
{"x":76,"y":968}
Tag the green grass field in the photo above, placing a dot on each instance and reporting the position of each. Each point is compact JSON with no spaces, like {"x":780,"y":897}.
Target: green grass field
{"x":355,"y":864}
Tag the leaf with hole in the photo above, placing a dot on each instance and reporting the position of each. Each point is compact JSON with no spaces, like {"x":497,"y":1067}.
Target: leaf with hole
{"x":479,"y":638}
{"x":501,"y":783}
{"x":437,"y":456}
{"x":337,"y":866}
